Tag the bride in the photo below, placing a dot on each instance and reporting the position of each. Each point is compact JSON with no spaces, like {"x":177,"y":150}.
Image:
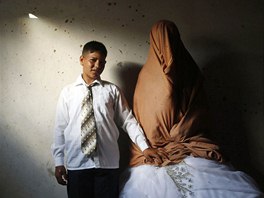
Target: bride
{"x":170,"y":105}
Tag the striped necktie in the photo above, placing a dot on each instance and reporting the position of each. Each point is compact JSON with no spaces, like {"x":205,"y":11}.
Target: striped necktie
{"x":88,"y":125}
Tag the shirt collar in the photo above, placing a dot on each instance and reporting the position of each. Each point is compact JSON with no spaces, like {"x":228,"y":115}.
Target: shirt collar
{"x":80,"y":81}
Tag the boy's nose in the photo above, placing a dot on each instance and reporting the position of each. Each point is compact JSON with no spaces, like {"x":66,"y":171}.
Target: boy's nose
{"x":97,"y":64}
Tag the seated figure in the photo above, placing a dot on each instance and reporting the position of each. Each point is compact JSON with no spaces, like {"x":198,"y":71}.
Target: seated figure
{"x":170,"y":105}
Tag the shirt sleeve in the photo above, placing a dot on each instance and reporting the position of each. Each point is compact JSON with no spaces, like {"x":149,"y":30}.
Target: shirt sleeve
{"x":128,"y":122}
{"x":61,"y":122}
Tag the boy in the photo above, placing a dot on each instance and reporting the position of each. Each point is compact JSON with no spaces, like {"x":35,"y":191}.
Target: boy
{"x":93,"y":173}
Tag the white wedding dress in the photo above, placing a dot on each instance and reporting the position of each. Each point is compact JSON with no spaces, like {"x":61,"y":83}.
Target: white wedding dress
{"x":193,"y":177}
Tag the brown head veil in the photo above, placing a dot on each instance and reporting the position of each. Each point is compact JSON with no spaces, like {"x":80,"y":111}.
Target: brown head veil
{"x":169,"y":101}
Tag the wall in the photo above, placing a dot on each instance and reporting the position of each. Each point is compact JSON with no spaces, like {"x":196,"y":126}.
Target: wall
{"x":39,"y":56}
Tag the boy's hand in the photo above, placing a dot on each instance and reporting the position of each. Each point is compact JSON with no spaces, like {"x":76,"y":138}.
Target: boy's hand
{"x":61,"y":175}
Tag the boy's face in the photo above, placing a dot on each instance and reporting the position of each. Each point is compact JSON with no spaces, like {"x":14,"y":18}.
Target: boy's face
{"x":93,"y":65}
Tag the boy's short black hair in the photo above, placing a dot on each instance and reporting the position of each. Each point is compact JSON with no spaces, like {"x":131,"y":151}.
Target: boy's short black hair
{"x":93,"y":46}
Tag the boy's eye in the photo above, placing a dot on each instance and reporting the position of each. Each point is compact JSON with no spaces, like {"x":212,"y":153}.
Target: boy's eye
{"x":93,"y":60}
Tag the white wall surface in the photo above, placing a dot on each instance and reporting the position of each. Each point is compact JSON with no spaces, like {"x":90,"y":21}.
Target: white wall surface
{"x":40,"y":56}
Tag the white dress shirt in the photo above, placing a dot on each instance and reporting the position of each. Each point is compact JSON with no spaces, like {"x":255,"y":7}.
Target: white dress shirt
{"x":111,"y":111}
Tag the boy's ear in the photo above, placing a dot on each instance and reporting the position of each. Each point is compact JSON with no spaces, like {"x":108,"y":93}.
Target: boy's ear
{"x":81,"y":59}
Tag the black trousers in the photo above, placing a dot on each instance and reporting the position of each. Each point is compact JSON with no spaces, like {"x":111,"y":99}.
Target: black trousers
{"x":93,"y":183}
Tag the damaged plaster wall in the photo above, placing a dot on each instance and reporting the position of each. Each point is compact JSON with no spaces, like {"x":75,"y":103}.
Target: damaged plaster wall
{"x":40,"y":56}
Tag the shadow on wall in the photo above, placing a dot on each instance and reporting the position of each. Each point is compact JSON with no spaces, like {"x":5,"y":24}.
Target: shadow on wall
{"x":21,"y":174}
{"x":231,"y":101}
{"x":126,"y":74}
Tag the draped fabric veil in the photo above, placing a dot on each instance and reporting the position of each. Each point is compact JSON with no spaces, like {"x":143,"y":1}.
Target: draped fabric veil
{"x":169,"y":101}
